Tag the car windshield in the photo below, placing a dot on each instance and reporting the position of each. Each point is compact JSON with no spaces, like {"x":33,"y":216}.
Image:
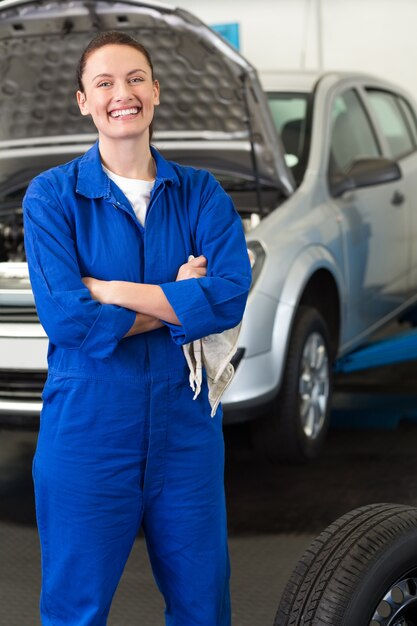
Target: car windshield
{"x":291,"y":113}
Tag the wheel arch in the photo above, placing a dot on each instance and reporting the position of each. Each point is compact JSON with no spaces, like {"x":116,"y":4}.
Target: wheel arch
{"x":313,"y":267}
{"x":321,"y":293}
{"x":315,"y":280}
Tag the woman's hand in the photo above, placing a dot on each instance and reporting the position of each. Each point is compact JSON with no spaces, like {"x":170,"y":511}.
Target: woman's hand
{"x":194,"y":268}
{"x":99,"y":289}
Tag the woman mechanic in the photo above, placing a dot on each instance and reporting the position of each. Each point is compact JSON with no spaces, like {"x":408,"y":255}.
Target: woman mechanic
{"x":122,"y":444}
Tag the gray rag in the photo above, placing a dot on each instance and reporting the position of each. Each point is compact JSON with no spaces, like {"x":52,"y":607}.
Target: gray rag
{"x":214,"y":353}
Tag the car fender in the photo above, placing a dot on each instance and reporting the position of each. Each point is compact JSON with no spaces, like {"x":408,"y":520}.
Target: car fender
{"x":310,"y":261}
{"x":258,"y":377}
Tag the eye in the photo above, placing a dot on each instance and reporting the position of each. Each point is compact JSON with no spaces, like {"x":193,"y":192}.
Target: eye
{"x":105,"y":83}
{"x":136,"y":79}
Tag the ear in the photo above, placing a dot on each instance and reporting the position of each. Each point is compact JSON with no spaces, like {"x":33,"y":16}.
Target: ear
{"x":156,"y":92}
{"x":82,"y":103}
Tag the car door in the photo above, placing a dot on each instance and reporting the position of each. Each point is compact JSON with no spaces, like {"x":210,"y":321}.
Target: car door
{"x":397,"y":122}
{"x":373,"y":221}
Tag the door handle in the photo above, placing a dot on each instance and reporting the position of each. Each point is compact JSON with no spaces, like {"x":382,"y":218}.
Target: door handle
{"x":397,"y":199}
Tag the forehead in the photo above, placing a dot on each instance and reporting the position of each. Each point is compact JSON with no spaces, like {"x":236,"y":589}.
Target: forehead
{"x":115,"y":58}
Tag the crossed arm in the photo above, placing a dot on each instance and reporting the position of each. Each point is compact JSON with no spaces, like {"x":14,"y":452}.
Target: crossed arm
{"x":149,"y":301}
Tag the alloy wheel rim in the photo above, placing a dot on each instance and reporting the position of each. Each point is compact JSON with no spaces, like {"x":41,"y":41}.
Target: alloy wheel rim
{"x":314,"y":385}
{"x":399,"y":605}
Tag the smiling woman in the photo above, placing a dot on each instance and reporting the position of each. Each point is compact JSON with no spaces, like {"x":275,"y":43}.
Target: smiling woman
{"x":116,"y":84}
{"x":122,"y":442}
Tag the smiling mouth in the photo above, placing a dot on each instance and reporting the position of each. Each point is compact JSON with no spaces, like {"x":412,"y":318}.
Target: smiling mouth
{"x":122,"y":113}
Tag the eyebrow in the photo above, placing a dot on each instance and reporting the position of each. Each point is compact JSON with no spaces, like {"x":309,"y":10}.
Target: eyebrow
{"x":104,"y":75}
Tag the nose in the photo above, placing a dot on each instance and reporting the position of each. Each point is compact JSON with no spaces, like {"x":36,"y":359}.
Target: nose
{"x":122,"y":91}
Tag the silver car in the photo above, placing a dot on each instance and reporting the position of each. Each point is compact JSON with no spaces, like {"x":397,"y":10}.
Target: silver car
{"x":321,"y":171}
{"x":338,"y":255}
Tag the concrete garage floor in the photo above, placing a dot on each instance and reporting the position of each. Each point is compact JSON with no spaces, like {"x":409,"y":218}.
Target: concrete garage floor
{"x":274,"y":512}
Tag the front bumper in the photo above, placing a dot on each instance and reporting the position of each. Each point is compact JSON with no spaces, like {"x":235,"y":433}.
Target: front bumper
{"x":253,"y":387}
{"x":23,"y":368}
{"x":258,"y":377}
{"x":23,"y":364}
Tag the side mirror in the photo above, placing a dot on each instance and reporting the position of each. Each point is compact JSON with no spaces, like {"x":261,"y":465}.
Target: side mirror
{"x":365,"y":172}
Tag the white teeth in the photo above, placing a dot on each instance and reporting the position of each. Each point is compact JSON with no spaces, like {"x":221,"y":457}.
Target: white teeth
{"x":121,"y":112}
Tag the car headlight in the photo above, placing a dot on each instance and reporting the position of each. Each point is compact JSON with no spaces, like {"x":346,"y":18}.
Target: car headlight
{"x":256,"y":258}
{"x":250,"y":221}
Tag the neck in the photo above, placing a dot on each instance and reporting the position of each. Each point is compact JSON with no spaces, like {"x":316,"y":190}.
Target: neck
{"x":129,"y":157}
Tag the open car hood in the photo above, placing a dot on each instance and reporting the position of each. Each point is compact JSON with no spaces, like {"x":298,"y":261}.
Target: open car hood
{"x":213,"y":111}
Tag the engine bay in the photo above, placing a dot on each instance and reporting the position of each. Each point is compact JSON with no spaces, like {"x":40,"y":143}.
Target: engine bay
{"x":11,"y":233}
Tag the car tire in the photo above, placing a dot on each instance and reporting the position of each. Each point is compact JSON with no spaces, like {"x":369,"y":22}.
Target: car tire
{"x":361,"y":571}
{"x":287,"y":432}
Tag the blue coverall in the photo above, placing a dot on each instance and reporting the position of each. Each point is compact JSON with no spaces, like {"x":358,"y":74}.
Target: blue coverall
{"x":122,"y":443}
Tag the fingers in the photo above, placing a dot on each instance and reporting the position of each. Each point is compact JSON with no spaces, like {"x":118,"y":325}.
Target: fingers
{"x":199,"y":261}
{"x":194,"y":268}
{"x":199,"y":272}
{"x":197,"y":266}
{"x":186,"y":271}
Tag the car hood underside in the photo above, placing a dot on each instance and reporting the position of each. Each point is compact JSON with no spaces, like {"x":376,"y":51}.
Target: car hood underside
{"x":212,"y":105}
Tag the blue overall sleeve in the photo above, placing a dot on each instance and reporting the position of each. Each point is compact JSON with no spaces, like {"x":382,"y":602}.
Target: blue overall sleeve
{"x":217,"y":301}
{"x":70,"y":317}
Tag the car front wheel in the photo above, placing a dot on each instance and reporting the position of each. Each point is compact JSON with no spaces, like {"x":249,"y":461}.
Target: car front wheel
{"x":295,"y":428}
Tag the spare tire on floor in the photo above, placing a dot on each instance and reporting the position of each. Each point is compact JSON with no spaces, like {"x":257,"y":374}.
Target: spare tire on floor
{"x":360,"y":571}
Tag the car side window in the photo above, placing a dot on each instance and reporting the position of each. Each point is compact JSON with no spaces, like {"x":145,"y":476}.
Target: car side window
{"x":410,"y":117}
{"x":393,"y":122}
{"x":352,"y":136}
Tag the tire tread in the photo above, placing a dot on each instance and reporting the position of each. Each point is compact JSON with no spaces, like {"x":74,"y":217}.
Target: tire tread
{"x":324,"y":580}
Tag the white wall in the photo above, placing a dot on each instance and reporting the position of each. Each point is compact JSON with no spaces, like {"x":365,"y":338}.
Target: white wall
{"x":376,"y":36}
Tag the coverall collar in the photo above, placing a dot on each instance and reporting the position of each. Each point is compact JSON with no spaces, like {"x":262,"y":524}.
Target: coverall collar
{"x":93,"y":182}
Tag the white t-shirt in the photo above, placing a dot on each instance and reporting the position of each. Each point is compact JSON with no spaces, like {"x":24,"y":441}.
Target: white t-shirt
{"x":137,"y":191}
